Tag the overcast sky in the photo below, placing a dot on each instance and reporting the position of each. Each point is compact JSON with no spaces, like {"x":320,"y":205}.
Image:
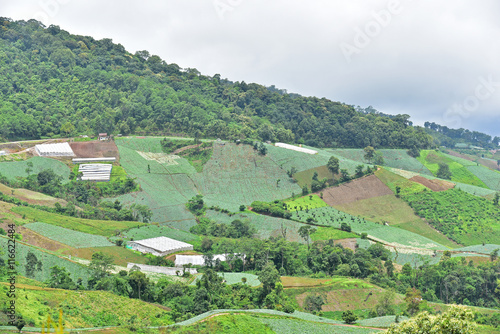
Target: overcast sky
{"x":435,"y":60}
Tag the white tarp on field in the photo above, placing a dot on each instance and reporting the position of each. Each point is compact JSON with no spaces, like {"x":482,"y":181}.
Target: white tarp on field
{"x":54,"y":150}
{"x":296,"y":148}
{"x":161,"y":270}
{"x":95,"y":172}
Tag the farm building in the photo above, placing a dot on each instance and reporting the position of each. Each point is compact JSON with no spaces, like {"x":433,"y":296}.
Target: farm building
{"x":103,"y":136}
{"x":197,"y":260}
{"x":54,"y":150}
{"x":159,"y":246}
{"x":161,"y":270}
{"x":95,"y":172}
{"x":295,"y":148}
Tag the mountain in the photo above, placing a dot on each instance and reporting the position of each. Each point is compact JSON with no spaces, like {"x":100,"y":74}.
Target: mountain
{"x":57,"y":84}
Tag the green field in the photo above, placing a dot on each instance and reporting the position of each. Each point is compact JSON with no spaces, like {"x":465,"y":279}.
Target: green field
{"x":266,"y":226}
{"x":393,"y":180}
{"x":327,"y":233}
{"x":48,"y":260}
{"x":105,"y":228}
{"x":459,"y":173}
{"x":84,"y":309}
{"x":234,"y":278}
{"x":464,"y":218}
{"x":69,"y":237}
{"x":306,"y":202}
{"x":12,"y":170}
{"x":286,"y":326}
{"x":392,"y":158}
{"x":490,"y":177}
{"x":304,"y":178}
{"x":153,"y":231}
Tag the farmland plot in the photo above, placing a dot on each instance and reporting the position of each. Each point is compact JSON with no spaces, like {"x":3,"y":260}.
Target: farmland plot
{"x":363,"y":188}
{"x":48,"y":260}
{"x":68,"y":237}
{"x":236,"y":174}
{"x":266,"y":226}
{"x":153,"y":231}
{"x":286,"y":326}
{"x":14,"y":169}
{"x":490,"y":177}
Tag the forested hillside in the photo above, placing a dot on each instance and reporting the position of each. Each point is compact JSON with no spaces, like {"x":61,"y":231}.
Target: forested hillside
{"x":57,"y":84}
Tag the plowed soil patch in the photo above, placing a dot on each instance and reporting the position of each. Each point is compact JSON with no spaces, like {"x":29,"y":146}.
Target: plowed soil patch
{"x":95,"y":149}
{"x":364,"y":188}
{"x":434,"y":185}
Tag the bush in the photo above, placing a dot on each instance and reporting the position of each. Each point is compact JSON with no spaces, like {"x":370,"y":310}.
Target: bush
{"x":349,"y":317}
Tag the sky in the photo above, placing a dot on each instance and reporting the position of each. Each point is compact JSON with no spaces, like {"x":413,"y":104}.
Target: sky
{"x":434,"y":60}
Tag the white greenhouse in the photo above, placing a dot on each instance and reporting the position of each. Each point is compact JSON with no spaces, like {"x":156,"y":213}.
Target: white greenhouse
{"x":95,"y":172}
{"x":296,"y":148}
{"x":159,"y":246}
{"x":54,"y":150}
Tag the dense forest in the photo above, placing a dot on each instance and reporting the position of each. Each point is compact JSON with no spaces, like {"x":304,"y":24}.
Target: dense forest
{"x":450,"y":137}
{"x":55,"y":84}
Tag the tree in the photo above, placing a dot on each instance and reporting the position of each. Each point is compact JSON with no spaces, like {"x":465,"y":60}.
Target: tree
{"x":29,"y":167}
{"x":313,"y":302}
{"x":494,"y":255}
{"x":32,"y":265}
{"x":378,"y":159}
{"x":413,"y":152}
{"x":67,"y":128}
{"x":196,"y":205}
{"x":138,"y":281}
{"x":349,"y":317}
{"x":456,"y":320}
{"x":269,"y":276}
{"x":345,"y":227}
{"x":344,"y":175}
{"x":142,"y":212}
{"x":359,"y":170}
{"x":496,"y":199}
{"x":100,"y":265}
{"x":292,"y":171}
{"x":444,"y":171}
{"x":369,"y":153}
{"x":305,"y":231}
{"x":333,"y":165}
{"x":305,"y":190}
{"x":413,"y":298}
{"x":398,"y":191}
{"x":385,"y":304}
{"x":60,"y":278}
{"x":20,"y":323}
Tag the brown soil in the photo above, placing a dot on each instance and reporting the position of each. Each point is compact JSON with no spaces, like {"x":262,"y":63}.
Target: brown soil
{"x":347,"y":243}
{"x":182,"y":149}
{"x":364,"y":188}
{"x":434,"y":185}
{"x":95,"y":149}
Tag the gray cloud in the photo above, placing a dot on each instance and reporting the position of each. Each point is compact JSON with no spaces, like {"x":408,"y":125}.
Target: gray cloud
{"x":419,"y":58}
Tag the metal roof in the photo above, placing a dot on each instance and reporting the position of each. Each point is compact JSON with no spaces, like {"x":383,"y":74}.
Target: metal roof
{"x":162,"y":244}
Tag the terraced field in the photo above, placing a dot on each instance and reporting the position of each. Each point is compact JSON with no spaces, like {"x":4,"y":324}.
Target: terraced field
{"x":69,"y":237}
{"x":490,"y":177}
{"x":363,"y":188}
{"x":11,"y":170}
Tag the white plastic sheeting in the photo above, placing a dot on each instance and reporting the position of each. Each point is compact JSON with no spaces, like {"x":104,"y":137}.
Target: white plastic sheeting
{"x":199,"y":260}
{"x":159,"y":246}
{"x":54,"y":150}
{"x":95,"y":172}
{"x":161,"y":270}
{"x":296,"y":148}
{"x":84,"y":160}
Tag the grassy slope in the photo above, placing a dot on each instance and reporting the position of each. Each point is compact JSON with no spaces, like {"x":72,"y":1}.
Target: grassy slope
{"x":83,"y":309}
{"x":11,"y":170}
{"x":459,"y":173}
{"x":99,"y":227}
{"x":32,"y":197}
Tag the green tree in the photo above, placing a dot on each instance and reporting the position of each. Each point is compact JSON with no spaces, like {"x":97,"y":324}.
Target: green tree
{"x":305,"y":231}
{"x":139,"y":282}
{"x":67,"y":128}
{"x":333,"y":165}
{"x":314,"y":302}
{"x":29,"y":167}
{"x":494,"y":255}
{"x":32,"y":265}
{"x":413,"y":298}
{"x":496,"y":199}
{"x":385,"y":304}
{"x":349,"y":317}
{"x":100,"y":265}
{"x":60,"y":278}
{"x":444,"y":171}
{"x":305,"y":190}
{"x":20,"y":323}
{"x":456,"y":320}
{"x":369,"y":153}
{"x":269,"y":276}
{"x":359,"y":171}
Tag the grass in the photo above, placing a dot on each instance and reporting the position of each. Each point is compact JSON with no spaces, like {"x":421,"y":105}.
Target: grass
{"x":490,"y":177}
{"x":234,"y":278}
{"x":286,"y":326}
{"x":48,"y":260}
{"x":121,"y":255}
{"x":393,"y":180}
{"x":304,"y":178}
{"x":84,"y":309}
{"x":105,"y":228}
{"x":266,"y":226}
{"x":69,"y":237}
{"x":459,"y":173}
{"x":226,"y":324}
{"x":12,"y":170}
{"x":327,"y":233}
{"x":32,"y":197}
{"x":306,"y":202}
